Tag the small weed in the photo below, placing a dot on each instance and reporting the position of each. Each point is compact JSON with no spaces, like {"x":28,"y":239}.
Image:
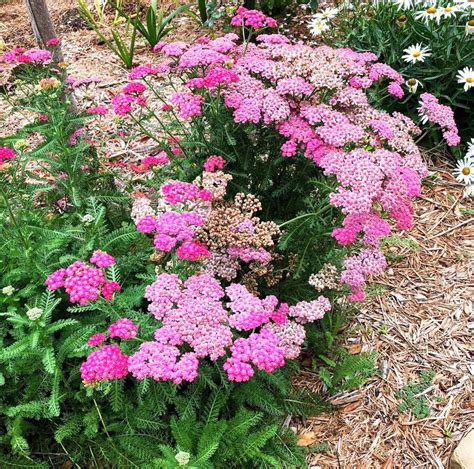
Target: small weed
{"x":320,"y":447}
{"x":412,"y":402}
{"x":349,"y":372}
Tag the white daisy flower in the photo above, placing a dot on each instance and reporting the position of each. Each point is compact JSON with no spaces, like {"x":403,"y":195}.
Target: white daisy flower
{"x":465,"y":4}
{"x":469,"y":191}
{"x":403,"y":4}
{"x":470,"y":27}
{"x":464,"y":170}
{"x":466,"y":76}
{"x":448,"y":11}
{"x":318,"y":26}
{"x":413,"y":85}
{"x":416,"y":53}
{"x":430,"y":14}
{"x":327,"y":14}
{"x":470,"y":147}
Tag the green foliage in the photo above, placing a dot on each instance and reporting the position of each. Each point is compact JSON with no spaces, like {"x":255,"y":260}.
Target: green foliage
{"x":347,"y":371}
{"x":156,"y":24}
{"x":121,"y":43}
{"x":412,"y":401}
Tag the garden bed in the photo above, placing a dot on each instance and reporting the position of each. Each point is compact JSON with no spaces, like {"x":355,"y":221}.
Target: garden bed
{"x":418,"y":316}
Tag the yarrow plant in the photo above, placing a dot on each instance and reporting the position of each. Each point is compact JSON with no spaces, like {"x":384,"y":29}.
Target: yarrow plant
{"x":314,"y":102}
{"x":273,"y":183}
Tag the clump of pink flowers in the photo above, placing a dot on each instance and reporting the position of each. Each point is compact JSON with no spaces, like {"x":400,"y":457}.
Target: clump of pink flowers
{"x":106,"y":363}
{"x":316,"y":98}
{"x":198,"y":322}
{"x":34,"y":56}
{"x":431,"y":111}
{"x":83,"y":282}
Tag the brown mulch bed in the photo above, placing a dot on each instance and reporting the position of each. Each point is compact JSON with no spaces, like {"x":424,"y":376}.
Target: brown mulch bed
{"x":423,"y":320}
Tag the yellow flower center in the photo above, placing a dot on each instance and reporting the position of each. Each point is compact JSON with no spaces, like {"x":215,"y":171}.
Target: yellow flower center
{"x":466,"y":171}
{"x":412,"y":82}
{"x":432,"y":10}
{"x":470,"y":79}
{"x":416,"y":53}
{"x":448,"y":10}
{"x":470,"y":23}
{"x":402,"y":19}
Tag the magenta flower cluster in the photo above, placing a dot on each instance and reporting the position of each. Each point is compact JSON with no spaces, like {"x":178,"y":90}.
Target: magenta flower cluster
{"x":252,"y":19}
{"x":83,"y":282}
{"x":108,"y":362}
{"x":6,"y":154}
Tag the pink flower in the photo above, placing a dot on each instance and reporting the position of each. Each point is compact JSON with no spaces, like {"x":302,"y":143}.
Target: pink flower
{"x":188,"y":104}
{"x":53,"y":42}
{"x":99,"y":110}
{"x":102,"y":259}
{"x":192,"y":251}
{"x":213,"y":163}
{"x":107,"y":363}
{"x":252,"y":19}
{"x":123,"y":329}
{"x":431,"y":111}
{"x":6,"y":154}
{"x":108,"y":289}
{"x":147,"y":224}
{"x":160,"y":159}
{"x":134,"y":87}
{"x":96,"y":339}
{"x":396,"y":90}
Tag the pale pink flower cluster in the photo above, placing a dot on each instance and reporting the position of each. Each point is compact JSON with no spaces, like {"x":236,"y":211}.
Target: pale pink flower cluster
{"x":194,"y":315}
{"x":187,"y":104}
{"x":123,"y":328}
{"x":431,"y":111}
{"x":84,"y":283}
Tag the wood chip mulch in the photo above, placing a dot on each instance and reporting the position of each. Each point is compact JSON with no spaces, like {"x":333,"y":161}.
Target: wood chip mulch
{"x":422,"y":321}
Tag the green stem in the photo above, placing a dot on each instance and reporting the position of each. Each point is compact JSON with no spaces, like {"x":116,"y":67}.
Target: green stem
{"x":313,"y":214}
{"x":14,"y":220}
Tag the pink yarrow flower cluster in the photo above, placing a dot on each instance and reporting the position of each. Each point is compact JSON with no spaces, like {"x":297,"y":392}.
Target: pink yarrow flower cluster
{"x":83,"y":282}
{"x":106,"y":363}
{"x":34,"y":56}
{"x":252,"y":19}
{"x":431,"y":111}
{"x":6,"y":154}
{"x":213,"y":163}
{"x":194,"y":316}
